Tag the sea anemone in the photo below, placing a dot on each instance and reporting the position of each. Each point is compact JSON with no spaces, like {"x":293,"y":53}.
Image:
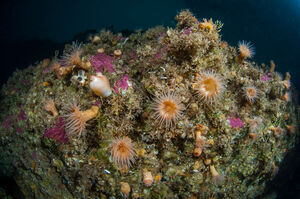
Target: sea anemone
{"x":206,"y":25}
{"x":76,"y":119}
{"x":246,"y":50}
{"x":168,"y":108}
{"x":123,"y":152}
{"x":251,"y":93}
{"x":73,"y":57}
{"x":209,"y":86}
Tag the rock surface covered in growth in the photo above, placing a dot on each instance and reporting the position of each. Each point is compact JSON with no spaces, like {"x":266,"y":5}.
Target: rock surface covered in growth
{"x":179,"y":105}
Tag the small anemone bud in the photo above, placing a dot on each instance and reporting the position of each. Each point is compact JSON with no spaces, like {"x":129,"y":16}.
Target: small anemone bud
{"x":50,"y":106}
{"x":46,"y":62}
{"x":291,"y":128}
{"x":278,"y":131}
{"x":206,"y":25}
{"x":200,"y":142}
{"x":125,"y":189}
{"x":147,"y":178}
{"x":251,"y":94}
{"x":252,"y":136}
{"x":246,"y":50}
{"x":65,"y":70}
{"x":100,"y":50}
{"x":272,"y":66}
{"x":202,"y":128}
{"x":286,"y":81}
{"x":96,"y":40}
{"x":197,"y":152}
{"x":207,"y":161}
{"x":100,"y":85}
{"x":287,"y":97}
{"x":117,"y":53}
{"x":216,"y":177}
{"x":198,"y":135}
{"x":86,"y":66}
{"x":55,"y":66}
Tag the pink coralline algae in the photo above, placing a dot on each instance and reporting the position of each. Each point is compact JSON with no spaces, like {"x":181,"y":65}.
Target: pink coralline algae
{"x":34,"y":155}
{"x":132,"y":54}
{"x":57,"y":132}
{"x":188,"y":31}
{"x":97,"y":103}
{"x":101,"y":61}
{"x":19,"y":130}
{"x":46,"y":70}
{"x":21,"y":116}
{"x":122,"y":83}
{"x":25,"y":81}
{"x":235,"y":122}
{"x":158,"y":55}
{"x":7,"y":122}
{"x":161,"y":35}
{"x":265,"y":78}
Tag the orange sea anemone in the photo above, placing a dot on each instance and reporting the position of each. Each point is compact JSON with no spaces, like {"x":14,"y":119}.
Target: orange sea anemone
{"x":246,"y":50}
{"x":76,"y":119}
{"x":206,"y":25}
{"x":251,"y":93}
{"x":168,"y":108}
{"x":209,"y":86}
{"x":122,"y":152}
{"x":73,"y":57}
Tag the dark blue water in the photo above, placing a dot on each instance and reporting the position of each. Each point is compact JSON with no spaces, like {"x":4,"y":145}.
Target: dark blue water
{"x":33,"y":29}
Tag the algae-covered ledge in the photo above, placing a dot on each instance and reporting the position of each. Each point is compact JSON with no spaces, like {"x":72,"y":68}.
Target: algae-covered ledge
{"x":166,"y":113}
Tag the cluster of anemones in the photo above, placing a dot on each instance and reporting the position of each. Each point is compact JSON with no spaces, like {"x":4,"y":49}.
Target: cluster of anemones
{"x":168,"y":107}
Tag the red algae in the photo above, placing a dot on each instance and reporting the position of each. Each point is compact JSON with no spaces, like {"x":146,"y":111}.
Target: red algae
{"x":57,"y":131}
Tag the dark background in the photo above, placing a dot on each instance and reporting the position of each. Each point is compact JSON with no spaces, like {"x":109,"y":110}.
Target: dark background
{"x":32,"y":30}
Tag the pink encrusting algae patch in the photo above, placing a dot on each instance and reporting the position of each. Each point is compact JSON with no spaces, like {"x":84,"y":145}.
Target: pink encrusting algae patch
{"x":102,"y":61}
{"x":7,"y":122}
{"x":187,"y":31}
{"x":235,"y":122}
{"x":21,"y":116}
{"x":19,"y":130}
{"x":122,"y":83}
{"x":265,"y":78}
{"x":57,"y":131}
